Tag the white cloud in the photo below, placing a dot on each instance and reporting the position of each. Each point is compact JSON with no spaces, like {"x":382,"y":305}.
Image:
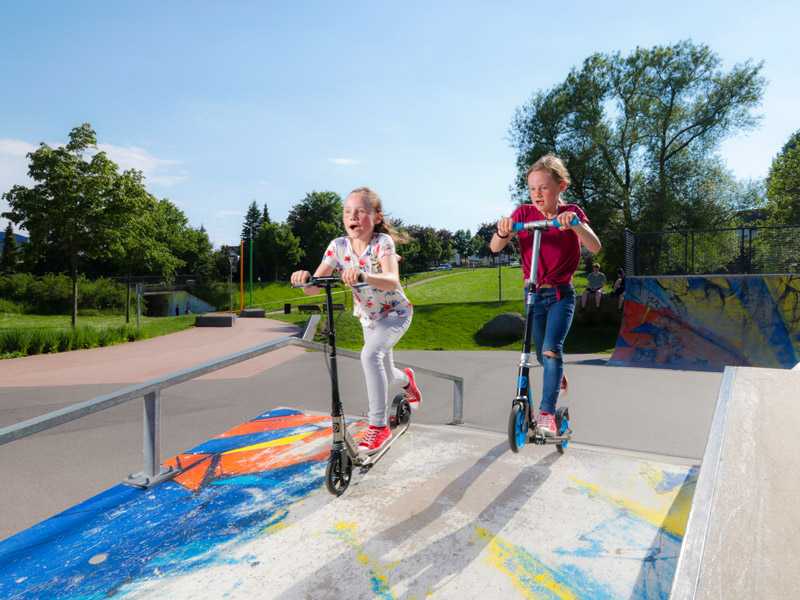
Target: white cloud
{"x":16,"y":147}
{"x":344,"y":161}
{"x":228,"y":213}
{"x":154,"y":169}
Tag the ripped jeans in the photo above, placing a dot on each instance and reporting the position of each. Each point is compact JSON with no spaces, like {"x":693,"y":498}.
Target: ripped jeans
{"x":552,"y":319}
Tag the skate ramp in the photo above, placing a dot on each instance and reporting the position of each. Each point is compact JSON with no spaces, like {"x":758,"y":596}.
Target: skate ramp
{"x":710,"y":322}
{"x":742,"y":537}
{"x":449,"y":512}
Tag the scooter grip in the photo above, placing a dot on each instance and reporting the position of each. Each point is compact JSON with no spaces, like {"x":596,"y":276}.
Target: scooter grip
{"x":553,"y":223}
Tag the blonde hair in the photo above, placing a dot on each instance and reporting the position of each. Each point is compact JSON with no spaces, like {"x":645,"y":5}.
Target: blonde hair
{"x":556,"y":167}
{"x":384,"y":226}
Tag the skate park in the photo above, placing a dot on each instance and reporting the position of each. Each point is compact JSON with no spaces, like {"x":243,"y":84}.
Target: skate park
{"x":645,"y":502}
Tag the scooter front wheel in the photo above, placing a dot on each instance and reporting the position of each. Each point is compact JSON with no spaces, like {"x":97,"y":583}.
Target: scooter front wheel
{"x":517,"y":426}
{"x":338,"y":472}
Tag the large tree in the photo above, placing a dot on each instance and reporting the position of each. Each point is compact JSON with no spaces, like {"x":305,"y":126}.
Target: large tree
{"x":783,"y":184}
{"x":68,"y":204}
{"x":315,"y":221}
{"x":640,"y":134}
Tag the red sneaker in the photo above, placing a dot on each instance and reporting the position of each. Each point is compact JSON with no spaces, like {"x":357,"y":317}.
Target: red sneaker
{"x":547,"y":423}
{"x":413,"y":395}
{"x":374,"y":439}
{"x":564,"y":386}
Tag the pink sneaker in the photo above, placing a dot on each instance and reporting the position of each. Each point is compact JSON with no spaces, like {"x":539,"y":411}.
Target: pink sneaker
{"x":413,"y":394}
{"x":547,"y":423}
{"x":374,"y":439}
{"x":564,"y":386}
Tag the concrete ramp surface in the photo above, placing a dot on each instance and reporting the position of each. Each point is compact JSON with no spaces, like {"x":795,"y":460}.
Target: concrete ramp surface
{"x":709,"y":322}
{"x":449,"y":512}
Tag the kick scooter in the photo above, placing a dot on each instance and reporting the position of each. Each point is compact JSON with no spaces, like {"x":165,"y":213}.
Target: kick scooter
{"x":345,"y":453}
{"x":522,"y":425}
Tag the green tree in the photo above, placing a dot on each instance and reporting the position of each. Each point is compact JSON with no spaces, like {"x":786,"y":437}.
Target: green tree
{"x":147,"y":235}
{"x":277,"y":249}
{"x":430,"y":248}
{"x":315,"y":222}
{"x":68,"y":203}
{"x":199,"y":255}
{"x":783,"y":184}
{"x":639,"y":135}
{"x":8,"y":260}
{"x":462,"y":242}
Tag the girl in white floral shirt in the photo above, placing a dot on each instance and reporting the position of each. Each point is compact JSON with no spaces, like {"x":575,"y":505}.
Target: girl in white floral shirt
{"x":367,"y":255}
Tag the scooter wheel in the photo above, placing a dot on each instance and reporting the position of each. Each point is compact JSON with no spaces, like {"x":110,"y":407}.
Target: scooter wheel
{"x":562,"y":424}
{"x":517,"y":427}
{"x":338,"y":473}
{"x":401,"y":411}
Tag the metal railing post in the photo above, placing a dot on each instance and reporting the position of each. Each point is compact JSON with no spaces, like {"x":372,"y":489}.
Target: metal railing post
{"x":152,"y":471}
{"x":151,"y":434}
{"x":458,"y":402}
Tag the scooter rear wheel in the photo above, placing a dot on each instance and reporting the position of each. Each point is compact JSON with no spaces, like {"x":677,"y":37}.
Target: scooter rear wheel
{"x":401,"y":411}
{"x":517,"y":426}
{"x":338,"y":473}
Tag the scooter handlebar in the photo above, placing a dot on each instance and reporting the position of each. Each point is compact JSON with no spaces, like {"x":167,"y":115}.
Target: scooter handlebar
{"x":327,"y":280}
{"x":541,"y":224}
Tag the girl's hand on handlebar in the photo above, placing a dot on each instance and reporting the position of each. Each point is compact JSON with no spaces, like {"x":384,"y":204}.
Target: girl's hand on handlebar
{"x":565,"y":219}
{"x":350,"y":276}
{"x":505,"y":227}
{"x":300,"y":277}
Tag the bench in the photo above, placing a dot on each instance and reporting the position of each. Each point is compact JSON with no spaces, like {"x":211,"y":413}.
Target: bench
{"x":304,"y":308}
{"x":336,"y":306}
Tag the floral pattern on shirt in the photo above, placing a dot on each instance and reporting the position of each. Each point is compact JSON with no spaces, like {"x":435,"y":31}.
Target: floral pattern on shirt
{"x":369,"y":304}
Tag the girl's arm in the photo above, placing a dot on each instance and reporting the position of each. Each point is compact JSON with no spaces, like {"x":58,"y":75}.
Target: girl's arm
{"x":299,"y":277}
{"x":588,"y":237}
{"x":503,"y":234}
{"x":388,"y":279}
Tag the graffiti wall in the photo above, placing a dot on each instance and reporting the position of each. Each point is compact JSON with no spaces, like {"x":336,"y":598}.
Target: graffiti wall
{"x":709,"y":322}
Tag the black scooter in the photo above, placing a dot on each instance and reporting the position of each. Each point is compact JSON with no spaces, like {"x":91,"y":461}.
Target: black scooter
{"x":345,"y":453}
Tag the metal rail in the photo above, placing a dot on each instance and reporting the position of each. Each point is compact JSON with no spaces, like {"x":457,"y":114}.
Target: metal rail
{"x":152,"y":471}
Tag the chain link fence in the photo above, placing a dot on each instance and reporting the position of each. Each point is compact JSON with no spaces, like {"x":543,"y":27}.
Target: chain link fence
{"x":730,"y":251}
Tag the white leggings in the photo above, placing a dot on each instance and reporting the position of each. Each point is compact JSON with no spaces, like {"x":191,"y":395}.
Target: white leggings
{"x":376,"y":359}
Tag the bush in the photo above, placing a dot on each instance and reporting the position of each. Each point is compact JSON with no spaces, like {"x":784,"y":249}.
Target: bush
{"x":52,"y":294}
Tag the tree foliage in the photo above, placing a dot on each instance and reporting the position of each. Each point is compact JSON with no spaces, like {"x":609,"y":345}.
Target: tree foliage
{"x":277,"y":250}
{"x":8,"y":260}
{"x":315,"y":221}
{"x":639,"y":135}
{"x":783,"y":184}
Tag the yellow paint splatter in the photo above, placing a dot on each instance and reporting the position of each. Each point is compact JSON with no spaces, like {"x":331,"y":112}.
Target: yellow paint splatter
{"x":666,"y":509}
{"x":279,"y":442}
{"x":380,"y":584}
{"x":527,"y":574}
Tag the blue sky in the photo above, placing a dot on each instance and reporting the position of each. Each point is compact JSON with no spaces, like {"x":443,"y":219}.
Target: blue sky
{"x":220,"y":104}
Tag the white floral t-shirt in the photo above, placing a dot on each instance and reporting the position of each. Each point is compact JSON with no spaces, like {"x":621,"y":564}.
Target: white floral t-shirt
{"x":369,"y":304}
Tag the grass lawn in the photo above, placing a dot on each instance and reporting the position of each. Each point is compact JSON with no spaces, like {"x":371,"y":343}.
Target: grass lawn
{"x":449,"y":311}
{"x":445,"y":320}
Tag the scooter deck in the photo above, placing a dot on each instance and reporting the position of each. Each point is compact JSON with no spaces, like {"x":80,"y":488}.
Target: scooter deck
{"x":538,"y":438}
{"x":367,"y":461}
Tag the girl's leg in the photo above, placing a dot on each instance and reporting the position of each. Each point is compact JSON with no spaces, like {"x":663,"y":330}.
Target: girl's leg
{"x":379,"y":369}
{"x":552,"y":320}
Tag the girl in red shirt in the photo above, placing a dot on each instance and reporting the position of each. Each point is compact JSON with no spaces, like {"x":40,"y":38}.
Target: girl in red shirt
{"x":559,"y":257}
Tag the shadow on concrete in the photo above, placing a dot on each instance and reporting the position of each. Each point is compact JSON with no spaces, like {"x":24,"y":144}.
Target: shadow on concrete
{"x":425,"y":570}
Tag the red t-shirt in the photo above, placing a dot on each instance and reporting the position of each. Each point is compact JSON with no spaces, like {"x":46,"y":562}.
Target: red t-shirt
{"x":559,"y":251}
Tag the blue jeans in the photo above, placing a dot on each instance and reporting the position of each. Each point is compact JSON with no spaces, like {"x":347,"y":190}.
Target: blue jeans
{"x":552,"y":319}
